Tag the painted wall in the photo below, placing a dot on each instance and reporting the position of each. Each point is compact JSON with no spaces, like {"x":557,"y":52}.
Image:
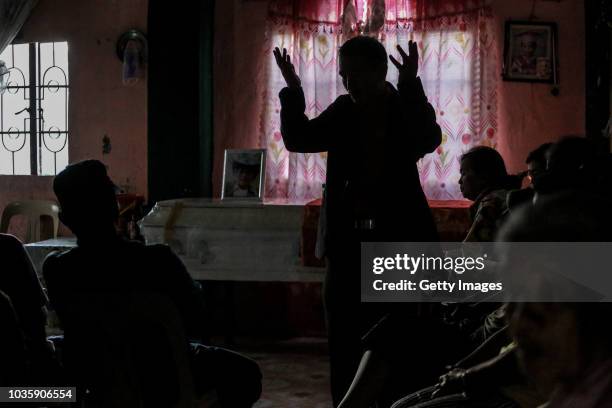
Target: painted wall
{"x":238,"y":77}
{"x":99,"y":103}
{"x":528,"y":114}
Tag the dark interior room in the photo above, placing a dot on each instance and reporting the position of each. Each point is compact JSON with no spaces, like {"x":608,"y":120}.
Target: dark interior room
{"x":291,"y":203}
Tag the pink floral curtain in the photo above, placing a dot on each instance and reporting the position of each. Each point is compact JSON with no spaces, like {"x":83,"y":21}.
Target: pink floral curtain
{"x":458,"y":59}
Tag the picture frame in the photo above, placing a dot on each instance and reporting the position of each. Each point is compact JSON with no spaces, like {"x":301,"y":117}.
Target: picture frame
{"x":243,"y":174}
{"x":530,"y":52}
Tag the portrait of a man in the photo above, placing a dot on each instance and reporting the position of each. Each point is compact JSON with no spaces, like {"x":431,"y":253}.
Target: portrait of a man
{"x":530,"y":52}
{"x":524,"y":61}
{"x":242,"y":175}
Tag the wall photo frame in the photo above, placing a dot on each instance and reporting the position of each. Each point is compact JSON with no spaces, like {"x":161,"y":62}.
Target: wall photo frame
{"x":530,"y":52}
{"x":244,"y":174}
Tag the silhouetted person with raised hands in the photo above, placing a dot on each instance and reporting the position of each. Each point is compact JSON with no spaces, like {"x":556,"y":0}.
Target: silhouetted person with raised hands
{"x":374,"y":136}
{"x":104,"y":263}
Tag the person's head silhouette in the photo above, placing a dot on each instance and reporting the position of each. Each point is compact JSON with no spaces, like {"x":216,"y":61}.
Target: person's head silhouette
{"x":363,"y":68}
{"x":570,"y":164}
{"x":87,"y":199}
{"x":536,"y":161}
{"x":570,"y":154}
{"x":482,"y":168}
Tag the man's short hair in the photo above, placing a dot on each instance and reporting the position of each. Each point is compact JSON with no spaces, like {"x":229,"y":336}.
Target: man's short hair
{"x":248,"y":168}
{"x":539,"y":154}
{"x":569,"y":216}
{"x":84,"y":187}
{"x":571,"y":153}
{"x":486,"y":161}
{"x":367,"y":48}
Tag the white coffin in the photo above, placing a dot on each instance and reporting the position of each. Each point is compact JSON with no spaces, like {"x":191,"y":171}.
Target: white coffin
{"x":237,"y":241}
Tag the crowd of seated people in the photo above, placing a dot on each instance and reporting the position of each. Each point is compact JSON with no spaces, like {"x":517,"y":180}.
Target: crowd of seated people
{"x":513,"y":355}
{"x":556,"y":354}
{"x":104,"y":266}
{"x":566,"y":178}
{"x":556,"y":351}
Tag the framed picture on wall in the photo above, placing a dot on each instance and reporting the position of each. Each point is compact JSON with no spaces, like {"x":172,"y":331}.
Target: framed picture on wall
{"x":243,"y":174}
{"x":530,"y":52}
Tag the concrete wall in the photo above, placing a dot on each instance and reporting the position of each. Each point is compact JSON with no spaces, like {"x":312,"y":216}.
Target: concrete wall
{"x":99,"y":103}
{"x":528,"y":114}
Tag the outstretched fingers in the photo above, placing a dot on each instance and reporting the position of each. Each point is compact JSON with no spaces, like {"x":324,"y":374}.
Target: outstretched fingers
{"x":280,"y":56}
{"x":403,"y":53}
{"x":395,"y":62}
{"x":414,"y":50}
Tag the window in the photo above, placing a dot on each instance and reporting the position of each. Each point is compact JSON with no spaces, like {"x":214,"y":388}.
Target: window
{"x":34,"y":109}
{"x":457,"y":69}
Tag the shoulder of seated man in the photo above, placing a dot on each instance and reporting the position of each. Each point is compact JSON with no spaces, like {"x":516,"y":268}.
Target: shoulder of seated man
{"x":11,"y":249}
{"x":55,"y":258}
{"x":160,"y":253}
{"x":158,"y":248}
{"x":9,"y":241}
{"x":61,"y":262}
{"x":149,"y":253}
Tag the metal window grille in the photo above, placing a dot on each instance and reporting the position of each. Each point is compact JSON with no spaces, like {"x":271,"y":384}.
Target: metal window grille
{"x":34,"y":109}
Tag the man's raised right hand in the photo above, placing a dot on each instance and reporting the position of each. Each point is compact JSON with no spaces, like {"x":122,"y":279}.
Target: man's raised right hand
{"x":287,"y":69}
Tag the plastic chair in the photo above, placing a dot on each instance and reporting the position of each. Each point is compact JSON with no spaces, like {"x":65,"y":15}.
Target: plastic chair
{"x":35,"y":211}
{"x":128,"y":350}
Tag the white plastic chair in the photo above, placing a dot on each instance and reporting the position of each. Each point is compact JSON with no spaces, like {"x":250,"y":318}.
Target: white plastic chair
{"x":35,"y":211}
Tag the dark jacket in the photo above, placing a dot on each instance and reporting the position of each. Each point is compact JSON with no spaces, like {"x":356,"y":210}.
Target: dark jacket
{"x":402,"y":211}
{"x":123,"y":267}
{"x":20,"y":283}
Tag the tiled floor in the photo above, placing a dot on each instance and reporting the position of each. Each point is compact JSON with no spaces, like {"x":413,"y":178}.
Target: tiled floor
{"x":295,"y":374}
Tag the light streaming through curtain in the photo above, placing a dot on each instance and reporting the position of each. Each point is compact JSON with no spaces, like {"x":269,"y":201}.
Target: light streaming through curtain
{"x":458,"y":59}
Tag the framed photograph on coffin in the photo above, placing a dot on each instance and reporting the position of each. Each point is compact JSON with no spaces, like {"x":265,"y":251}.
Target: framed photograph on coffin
{"x":530,"y":52}
{"x":244,"y":174}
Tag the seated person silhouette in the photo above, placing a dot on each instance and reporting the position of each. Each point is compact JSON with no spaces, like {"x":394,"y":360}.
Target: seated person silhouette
{"x":485,"y":181}
{"x":12,"y":346}
{"x":536,"y":161}
{"x":565,"y":349}
{"x":536,"y":167}
{"x":19,"y":282}
{"x":102,"y":262}
{"x":570,"y":165}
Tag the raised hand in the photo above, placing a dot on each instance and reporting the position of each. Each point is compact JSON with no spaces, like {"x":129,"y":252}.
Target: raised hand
{"x":286,"y":67}
{"x":410,"y":62}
